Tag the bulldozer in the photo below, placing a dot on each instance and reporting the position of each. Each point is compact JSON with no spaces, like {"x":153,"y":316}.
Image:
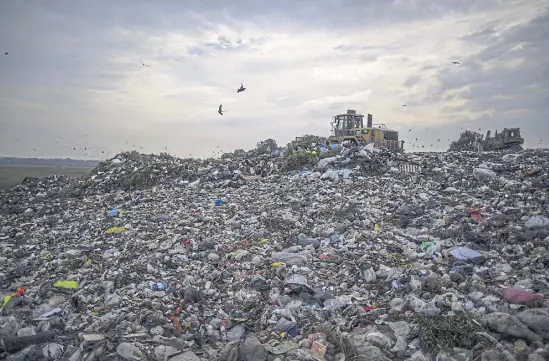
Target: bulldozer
{"x":350,"y":127}
{"x":509,"y":138}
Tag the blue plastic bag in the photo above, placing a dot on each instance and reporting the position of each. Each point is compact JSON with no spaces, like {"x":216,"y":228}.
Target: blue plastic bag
{"x":112,"y":213}
{"x":464,"y":253}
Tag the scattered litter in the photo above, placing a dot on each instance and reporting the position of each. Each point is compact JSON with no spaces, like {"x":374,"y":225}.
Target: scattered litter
{"x":280,"y":253}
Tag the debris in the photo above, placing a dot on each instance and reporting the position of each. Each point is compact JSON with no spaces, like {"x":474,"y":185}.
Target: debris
{"x":279,"y":252}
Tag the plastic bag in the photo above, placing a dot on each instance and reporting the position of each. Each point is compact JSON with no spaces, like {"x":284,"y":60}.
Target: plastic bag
{"x":537,"y":222}
{"x":464,"y":253}
{"x":481,"y":173}
{"x":291,"y":259}
{"x":252,"y":350}
{"x":116,"y":230}
{"x":66,"y":284}
{"x":520,"y":296}
{"x":369,"y":275}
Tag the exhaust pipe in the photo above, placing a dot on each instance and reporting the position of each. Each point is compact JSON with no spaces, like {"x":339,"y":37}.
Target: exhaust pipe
{"x":369,"y":121}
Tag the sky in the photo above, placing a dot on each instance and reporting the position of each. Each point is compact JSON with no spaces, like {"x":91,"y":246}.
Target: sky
{"x":73,"y":76}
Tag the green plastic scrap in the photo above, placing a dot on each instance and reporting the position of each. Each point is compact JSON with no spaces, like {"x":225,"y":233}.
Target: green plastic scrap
{"x":239,"y":319}
{"x":282,"y":348}
{"x":66,"y":284}
{"x":427,"y":245}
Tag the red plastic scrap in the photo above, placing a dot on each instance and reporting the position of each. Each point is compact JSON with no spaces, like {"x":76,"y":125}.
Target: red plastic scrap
{"x":519,"y":296}
{"x":176,"y":323}
{"x":315,"y":336}
{"x":372,"y":307}
{"x":474,"y":213}
{"x":323,"y":256}
{"x":186,"y":241}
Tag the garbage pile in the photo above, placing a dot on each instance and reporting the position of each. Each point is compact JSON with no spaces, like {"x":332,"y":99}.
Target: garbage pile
{"x":335,"y":262}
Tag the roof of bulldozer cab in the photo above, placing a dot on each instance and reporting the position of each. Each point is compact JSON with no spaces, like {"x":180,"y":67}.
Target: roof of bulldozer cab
{"x":381,"y":127}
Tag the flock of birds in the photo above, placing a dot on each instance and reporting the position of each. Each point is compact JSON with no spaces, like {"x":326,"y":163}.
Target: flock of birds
{"x":241,"y":89}
{"x":220,"y":109}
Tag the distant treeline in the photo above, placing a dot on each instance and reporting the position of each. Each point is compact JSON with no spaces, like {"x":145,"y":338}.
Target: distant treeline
{"x":67,"y":162}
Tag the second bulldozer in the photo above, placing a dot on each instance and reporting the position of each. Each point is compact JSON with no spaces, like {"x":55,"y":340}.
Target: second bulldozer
{"x":509,"y":138}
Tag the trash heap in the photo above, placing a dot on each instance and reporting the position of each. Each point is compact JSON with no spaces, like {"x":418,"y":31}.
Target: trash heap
{"x":365,"y":255}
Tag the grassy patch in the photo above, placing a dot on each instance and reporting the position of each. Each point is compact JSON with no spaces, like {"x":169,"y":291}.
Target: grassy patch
{"x":442,"y":333}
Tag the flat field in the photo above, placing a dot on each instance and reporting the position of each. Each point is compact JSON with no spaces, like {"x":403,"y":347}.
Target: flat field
{"x":12,"y":175}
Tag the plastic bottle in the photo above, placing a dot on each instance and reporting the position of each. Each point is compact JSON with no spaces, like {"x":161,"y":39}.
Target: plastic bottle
{"x":156,"y":286}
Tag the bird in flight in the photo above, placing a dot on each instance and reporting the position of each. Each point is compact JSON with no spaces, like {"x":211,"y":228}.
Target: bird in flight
{"x":455,"y":62}
{"x":241,"y":89}
{"x":220,"y":110}
{"x":6,"y":53}
{"x":142,"y":63}
{"x":409,"y":130}
{"x":404,"y":105}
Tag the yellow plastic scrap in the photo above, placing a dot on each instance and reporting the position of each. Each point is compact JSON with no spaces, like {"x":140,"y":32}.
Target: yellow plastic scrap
{"x":116,"y":230}
{"x":89,"y":262}
{"x":47,"y":257}
{"x":376,"y":228}
{"x":66,"y":284}
{"x":263,"y":241}
{"x":240,"y":319}
{"x":6,"y":300}
{"x":277,"y":264}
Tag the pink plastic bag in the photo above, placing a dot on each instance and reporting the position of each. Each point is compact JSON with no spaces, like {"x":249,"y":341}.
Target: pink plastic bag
{"x":518,"y":296}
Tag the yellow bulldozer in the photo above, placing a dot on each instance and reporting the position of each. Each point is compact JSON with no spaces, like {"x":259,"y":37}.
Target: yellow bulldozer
{"x":350,"y":127}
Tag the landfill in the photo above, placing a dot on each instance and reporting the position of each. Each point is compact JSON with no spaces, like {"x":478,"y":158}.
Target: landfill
{"x":307,"y":252}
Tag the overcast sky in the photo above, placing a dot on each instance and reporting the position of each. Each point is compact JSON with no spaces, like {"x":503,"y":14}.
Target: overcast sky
{"x":73,"y":75}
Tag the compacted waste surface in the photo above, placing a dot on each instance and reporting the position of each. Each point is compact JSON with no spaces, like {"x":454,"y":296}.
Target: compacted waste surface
{"x":346,"y":254}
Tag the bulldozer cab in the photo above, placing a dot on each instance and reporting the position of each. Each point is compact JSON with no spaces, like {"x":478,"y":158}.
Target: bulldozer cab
{"x":344,"y":125}
{"x":511,"y":135}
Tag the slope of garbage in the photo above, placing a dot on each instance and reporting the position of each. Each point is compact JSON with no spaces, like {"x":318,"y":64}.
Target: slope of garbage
{"x":308,"y":252}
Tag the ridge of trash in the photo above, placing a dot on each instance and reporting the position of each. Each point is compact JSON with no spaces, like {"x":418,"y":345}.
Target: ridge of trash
{"x":307,"y":252}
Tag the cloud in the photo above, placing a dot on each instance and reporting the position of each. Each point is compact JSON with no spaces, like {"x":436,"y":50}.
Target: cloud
{"x":74,"y":69}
